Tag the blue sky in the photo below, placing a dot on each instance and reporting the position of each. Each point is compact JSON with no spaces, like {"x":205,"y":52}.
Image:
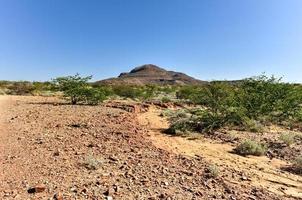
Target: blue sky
{"x":208,"y":39}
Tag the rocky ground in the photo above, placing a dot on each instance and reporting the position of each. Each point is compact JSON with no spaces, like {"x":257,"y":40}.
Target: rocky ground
{"x":50,"y":150}
{"x":267,"y":172}
{"x":271,"y":137}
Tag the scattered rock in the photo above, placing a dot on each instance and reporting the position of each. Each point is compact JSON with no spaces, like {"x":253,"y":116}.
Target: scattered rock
{"x":56,"y":153}
{"x":37,"y":189}
{"x":58,"y":196}
{"x":74,"y":189}
{"x":113,"y":159}
{"x":109,"y":198}
{"x":142,"y":170}
{"x":109,"y":192}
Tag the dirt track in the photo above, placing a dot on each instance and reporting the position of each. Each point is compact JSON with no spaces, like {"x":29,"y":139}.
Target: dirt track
{"x":44,"y":142}
{"x":261,"y":171}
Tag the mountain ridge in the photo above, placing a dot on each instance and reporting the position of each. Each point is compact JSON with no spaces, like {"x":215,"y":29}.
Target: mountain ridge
{"x":151,"y":74}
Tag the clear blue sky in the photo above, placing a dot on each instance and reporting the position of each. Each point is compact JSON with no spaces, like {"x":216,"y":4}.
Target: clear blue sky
{"x":208,"y":39}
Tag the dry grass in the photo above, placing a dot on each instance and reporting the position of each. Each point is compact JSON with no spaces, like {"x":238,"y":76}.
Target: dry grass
{"x":213,"y":171}
{"x":250,"y":147}
{"x":91,"y":162}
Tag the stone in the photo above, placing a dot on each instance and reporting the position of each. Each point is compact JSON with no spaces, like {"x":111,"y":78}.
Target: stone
{"x":74,"y":189}
{"x":56,"y":153}
{"x":109,"y":192}
{"x":37,"y":189}
{"x":58,"y":196}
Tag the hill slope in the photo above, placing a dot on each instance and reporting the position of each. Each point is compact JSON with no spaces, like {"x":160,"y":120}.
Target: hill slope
{"x":151,"y":74}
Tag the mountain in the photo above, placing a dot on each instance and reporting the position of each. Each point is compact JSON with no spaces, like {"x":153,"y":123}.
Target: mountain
{"x":151,"y":74}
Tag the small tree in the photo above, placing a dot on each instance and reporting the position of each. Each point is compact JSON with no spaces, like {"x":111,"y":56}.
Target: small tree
{"x":77,"y":89}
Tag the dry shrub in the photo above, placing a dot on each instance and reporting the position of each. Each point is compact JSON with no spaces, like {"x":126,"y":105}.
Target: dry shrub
{"x":250,"y":147}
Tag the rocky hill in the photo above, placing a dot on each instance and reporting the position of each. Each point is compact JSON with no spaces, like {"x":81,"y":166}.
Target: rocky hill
{"x":151,"y":74}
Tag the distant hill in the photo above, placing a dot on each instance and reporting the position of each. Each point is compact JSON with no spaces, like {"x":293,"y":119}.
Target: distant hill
{"x":151,"y":74}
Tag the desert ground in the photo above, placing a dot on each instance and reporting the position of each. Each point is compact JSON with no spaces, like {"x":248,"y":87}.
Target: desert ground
{"x":117,"y":150}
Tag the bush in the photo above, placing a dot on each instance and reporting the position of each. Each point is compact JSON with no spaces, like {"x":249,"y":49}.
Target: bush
{"x":165,"y":100}
{"x":43,"y":88}
{"x":253,"y":125}
{"x":178,"y":114}
{"x":181,"y":121}
{"x":25,"y":87}
{"x":135,"y":92}
{"x":208,"y":122}
{"x":20,"y":88}
{"x":77,"y":90}
{"x":73,"y":87}
{"x":203,"y":121}
{"x":94,"y":96}
{"x":167,"y":89}
{"x":213,"y":171}
{"x":191,"y":93}
{"x":287,"y":138}
{"x":167,"y":113}
{"x":249,"y":104}
{"x":91,"y":163}
{"x":149,"y":91}
{"x":269,"y":98}
{"x":128,"y":91}
{"x":2,"y":92}
{"x":298,"y":164}
{"x":181,"y":126}
{"x":250,"y":147}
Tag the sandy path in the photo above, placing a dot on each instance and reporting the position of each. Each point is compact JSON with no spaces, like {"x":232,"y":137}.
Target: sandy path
{"x":15,"y":164}
{"x":261,"y":171}
{"x":7,"y":149}
{"x":4,"y":100}
{"x":4,"y":140}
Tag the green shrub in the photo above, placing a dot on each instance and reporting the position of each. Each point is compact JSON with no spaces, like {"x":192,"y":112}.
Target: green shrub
{"x":94,"y":96}
{"x":205,"y":122}
{"x":208,"y":122}
{"x":25,"y":87}
{"x":298,"y":164}
{"x":181,"y":121}
{"x":2,"y":92}
{"x":253,"y":126}
{"x":287,"y":138}
{"x":250,"y":147}
{"x":128,"y":91}
{"x":149,"y":91}
{"x":168,"y":89}
{"x":165,"y":100}
{"x":20,"y":88}
{"x":135,"y":92}
{"x":179,"y":114}
{"x":189,"y":92}
{"x":77,"y":90}
{"x":249,"y":104}
{"x":167,"y":113}
{"x":202,"y":121}
{"x":268,"y":96}
{"x":73,"y":87}
{"x":181,"y":126}
{"x":213,"y":171}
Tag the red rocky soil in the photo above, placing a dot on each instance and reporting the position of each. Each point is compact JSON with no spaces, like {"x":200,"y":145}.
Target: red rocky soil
{"x":50,"y":150}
